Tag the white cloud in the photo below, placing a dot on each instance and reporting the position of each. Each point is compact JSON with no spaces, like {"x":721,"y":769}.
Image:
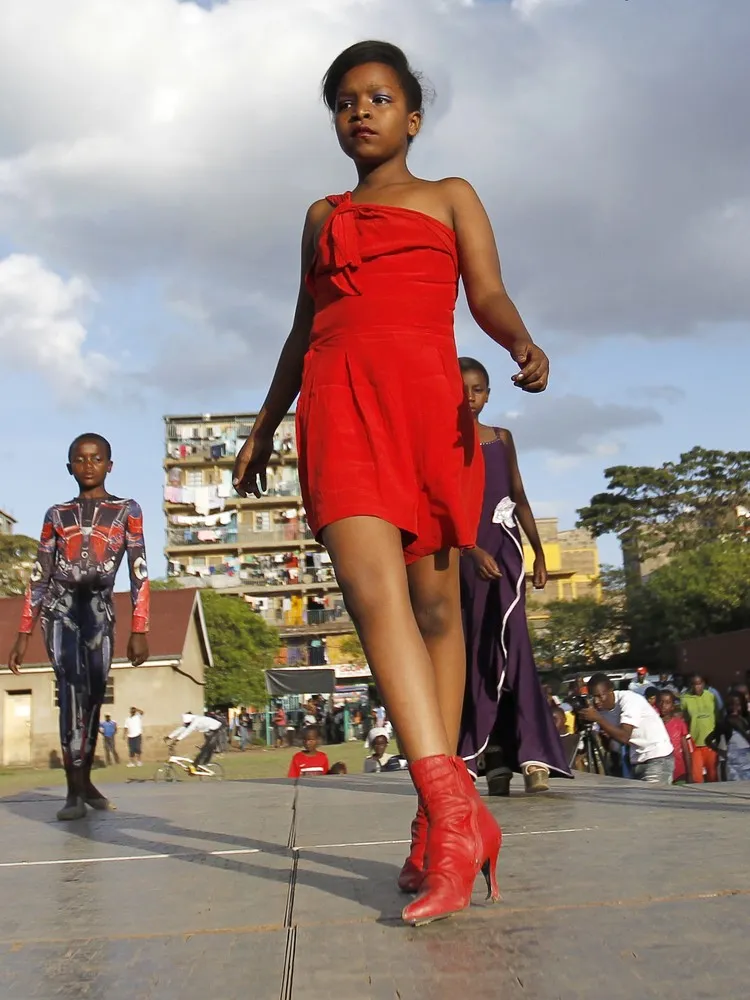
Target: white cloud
{"x":149,"y":138}
{"x":575,"y":428}
{"x":42,"y":329}
{"x":528,"y":8}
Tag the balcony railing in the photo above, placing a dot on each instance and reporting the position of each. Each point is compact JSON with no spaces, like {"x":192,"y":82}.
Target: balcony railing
{"x":312,"y":616}
{"x":207,"y":451}
{"x":231,"y":535}
{"x":289,"y":489}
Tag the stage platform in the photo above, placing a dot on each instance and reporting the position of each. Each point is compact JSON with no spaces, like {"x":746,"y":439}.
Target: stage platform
{"x":265,"y":890}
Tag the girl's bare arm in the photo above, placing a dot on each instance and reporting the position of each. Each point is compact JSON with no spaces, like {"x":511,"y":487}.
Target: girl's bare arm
{"x":518,"y":496}
{"x":287,"y":378}
{"x":489,"y":302}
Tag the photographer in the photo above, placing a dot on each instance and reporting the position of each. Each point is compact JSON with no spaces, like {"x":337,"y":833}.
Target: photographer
{"x":628,"y":718}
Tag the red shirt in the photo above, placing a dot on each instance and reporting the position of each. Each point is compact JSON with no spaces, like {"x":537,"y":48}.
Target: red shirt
{"x":677,"y":729}
{"x":308,"y":764}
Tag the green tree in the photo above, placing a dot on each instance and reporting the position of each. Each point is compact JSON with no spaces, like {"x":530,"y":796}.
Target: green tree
{"x":352,"y":648}
{"x":674,"y":507}
{"x":243,"y":648}
{"x":701,"y":591}
{"x":17,"y":555}
{"x":581,"y":634}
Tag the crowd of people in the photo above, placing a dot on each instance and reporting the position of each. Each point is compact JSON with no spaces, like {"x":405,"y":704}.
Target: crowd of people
{"x":667,"y":730}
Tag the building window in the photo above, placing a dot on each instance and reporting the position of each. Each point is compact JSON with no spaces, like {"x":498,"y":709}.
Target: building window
{"x":109,"y":693}
{"x":194,"y":477}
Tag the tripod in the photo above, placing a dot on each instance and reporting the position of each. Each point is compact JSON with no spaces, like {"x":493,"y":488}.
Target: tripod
{"x":593,"y":752}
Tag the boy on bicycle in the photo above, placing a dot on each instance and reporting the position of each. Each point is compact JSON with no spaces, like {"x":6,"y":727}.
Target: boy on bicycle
{"x":208,"y":727}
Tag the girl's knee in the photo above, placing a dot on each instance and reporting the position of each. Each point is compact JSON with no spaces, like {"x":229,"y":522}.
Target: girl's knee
{"x":436,"y":615}
{"x":363,"y":598}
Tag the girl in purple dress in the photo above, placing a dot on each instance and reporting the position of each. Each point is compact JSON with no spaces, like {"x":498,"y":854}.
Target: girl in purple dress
{"x":506,"y":719}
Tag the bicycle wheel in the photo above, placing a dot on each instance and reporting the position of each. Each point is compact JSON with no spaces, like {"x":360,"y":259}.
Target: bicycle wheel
{"x":167,"y":772}
{"x":217,"y":772}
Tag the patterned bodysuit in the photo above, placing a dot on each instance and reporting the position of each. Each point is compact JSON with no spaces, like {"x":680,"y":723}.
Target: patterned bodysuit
{"x":80,"y":551}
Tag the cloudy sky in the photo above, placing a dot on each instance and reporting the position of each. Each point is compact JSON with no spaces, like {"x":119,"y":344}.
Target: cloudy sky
{"x":157,"y":158}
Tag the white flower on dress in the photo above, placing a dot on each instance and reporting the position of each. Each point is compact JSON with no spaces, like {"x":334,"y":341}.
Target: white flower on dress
{"x":504,"y":513}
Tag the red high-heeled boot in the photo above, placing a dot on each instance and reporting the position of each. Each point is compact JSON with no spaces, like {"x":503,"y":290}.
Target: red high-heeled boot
{"x":489,"y":829}
{"x":460,"y":841}
{"x":410,"y":876}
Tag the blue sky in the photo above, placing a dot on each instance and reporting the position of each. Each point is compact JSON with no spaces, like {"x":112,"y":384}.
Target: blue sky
{"x":149,"y":222}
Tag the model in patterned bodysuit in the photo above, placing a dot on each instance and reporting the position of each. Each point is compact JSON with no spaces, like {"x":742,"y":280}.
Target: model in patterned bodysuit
{"x":82,"y":545}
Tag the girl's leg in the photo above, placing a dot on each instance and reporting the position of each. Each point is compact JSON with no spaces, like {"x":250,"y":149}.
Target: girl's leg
{"x":435,"y":594}
{"x":368,"y":559}
{"x":367,"y":556}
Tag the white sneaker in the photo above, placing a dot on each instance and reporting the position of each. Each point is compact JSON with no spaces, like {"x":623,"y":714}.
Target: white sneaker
{"x":139,"y":763}
{"x":131,"y":764}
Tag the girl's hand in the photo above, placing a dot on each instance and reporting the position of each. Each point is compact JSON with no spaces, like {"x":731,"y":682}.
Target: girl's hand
{"x":249,"y":475}
{"x":137,"y":648}
{"x":534,"y":365}
{"x":484,"y":564}
{"x":18,"y":653}
{"x":540,"y":573}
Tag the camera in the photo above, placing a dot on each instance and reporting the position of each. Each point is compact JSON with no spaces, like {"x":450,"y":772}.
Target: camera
{"x":580,"y":701}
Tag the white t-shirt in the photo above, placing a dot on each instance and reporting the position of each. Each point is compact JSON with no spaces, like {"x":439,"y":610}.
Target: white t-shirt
{"x":134,"y":725}
{"x":197,"y":724}
{"x":649,"y":738}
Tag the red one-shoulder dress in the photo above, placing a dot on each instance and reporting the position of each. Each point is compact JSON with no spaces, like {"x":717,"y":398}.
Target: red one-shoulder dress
{"x":383,"y":426}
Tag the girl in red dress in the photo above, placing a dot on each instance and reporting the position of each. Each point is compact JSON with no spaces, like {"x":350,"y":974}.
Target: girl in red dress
{"x":390,"y":466}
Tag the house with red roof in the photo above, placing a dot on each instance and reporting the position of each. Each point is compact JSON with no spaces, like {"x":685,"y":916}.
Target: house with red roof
{"x":170,"y":683}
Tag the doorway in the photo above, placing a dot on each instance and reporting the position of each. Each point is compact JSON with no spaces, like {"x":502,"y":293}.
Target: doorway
{"x":17,"y":728}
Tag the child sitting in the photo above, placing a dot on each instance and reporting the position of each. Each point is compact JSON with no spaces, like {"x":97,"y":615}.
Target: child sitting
{"x":378,"y":740}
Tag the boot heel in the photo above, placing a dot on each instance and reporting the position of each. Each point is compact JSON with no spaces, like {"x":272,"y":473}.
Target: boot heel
{"x":489,"y":870}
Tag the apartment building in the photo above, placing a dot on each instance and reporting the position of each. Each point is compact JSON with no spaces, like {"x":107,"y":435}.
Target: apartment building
{"x":6,"y":523}
{"x":572,"y":564}
{"x":260,"y":549}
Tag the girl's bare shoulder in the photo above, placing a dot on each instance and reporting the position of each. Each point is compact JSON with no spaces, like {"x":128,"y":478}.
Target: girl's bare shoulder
{"x":505,"y":435}
{"x":315,"y":218}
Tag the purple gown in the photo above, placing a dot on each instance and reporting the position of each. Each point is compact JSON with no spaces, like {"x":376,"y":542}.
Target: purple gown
{"x":504,"y":698}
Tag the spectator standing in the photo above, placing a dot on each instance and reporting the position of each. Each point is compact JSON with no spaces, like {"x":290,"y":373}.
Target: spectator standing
{"x":133,"y":726}
{"x":651,"y":694}
{"x":244,"y":725}
{"x":641,"y":683}
{"x":279,"y":725}
{"x":679,"y":735}
{"x":734,"y":731}
{"x":108,"y":729}
{"x":701,"y":713}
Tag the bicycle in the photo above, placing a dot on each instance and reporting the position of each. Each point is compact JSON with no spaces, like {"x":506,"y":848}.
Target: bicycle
{"x":175,"y":768}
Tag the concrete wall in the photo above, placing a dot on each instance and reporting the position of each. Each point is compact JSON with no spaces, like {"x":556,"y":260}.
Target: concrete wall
{"x":724,"y":659}
{"x":161,"y":691}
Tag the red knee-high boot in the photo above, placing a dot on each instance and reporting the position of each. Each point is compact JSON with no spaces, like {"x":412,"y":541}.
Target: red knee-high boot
{"x":460,"y":840}
{"x":410,"y":876}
